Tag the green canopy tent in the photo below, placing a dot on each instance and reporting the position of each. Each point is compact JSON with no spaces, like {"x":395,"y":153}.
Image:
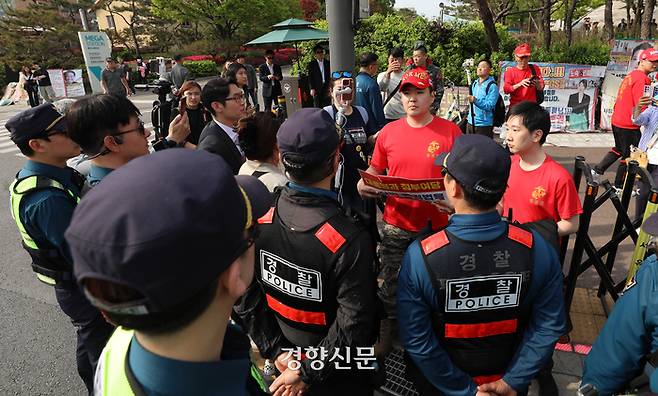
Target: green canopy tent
{"x":291,"y":31}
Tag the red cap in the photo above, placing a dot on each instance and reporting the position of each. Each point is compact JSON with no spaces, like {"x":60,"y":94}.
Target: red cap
{"x":418,"y":77}
{"x":522,"y":50}
{"x":650,"y":54}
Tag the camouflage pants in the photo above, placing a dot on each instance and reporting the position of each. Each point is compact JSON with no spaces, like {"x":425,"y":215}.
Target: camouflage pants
{"x":395,"y":242}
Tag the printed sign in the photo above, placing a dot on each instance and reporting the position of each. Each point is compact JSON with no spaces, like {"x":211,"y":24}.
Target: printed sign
{"x":96,"y":47}
{"x":429,"y":190}
{"x":483,"y":293}
{"x":290,"y":278}
{"x":67,"y":83}
{"x":570,"y":94}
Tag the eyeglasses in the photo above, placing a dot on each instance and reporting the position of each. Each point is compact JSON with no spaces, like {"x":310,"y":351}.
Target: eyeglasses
{"x":523,"y":57}
{"x":238,"y":98}
{"x":339,"y":74}
{"x":141,"y":129}
{"x":269,"y":57}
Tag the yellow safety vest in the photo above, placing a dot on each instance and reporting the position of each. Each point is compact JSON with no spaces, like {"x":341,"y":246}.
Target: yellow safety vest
{"x":18,"y":190}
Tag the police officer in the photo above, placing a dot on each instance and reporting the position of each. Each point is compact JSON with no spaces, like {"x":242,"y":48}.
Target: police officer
{"x":316,"y":286}
{"x":480,"y":303}
{"x":43,"y":198}
{"x":168,"y":272}
{"x":628,"y":342}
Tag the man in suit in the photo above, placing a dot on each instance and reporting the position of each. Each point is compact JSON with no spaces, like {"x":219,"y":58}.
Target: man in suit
{"x":318,"y":78}
{"x":271,"y":76}
{"x":226,"y":102}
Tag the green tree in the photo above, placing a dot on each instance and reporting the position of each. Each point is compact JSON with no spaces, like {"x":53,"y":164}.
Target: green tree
{"x":135,"y":14}
{"x":229,"y":19}
{"x":39,"y":32}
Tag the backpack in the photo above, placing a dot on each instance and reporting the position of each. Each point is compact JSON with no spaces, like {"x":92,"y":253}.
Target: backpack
{"x":499,"y":110}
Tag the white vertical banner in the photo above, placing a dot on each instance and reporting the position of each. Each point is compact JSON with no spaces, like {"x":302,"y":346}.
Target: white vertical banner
{"x":96,"y":47}
{"x":57,"y":80}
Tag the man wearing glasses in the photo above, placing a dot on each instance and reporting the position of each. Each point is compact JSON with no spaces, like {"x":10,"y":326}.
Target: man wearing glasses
{"x":523,"y":81}
{"x":270,"y":74}
{"x":315,"y":274}
{"x":318,"y":78}
{"x":226,"y":103}
{"x":43,"y":198}
{"x":170,"y":279}
{"x":109,"y":131}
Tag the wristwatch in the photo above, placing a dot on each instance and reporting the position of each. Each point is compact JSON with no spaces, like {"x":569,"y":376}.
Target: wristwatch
{"x":587,"y":390}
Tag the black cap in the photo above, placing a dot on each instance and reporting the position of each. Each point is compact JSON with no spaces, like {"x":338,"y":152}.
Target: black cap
{"x":166,"y":225}
{"x":478,"y":162}
{"x":308,"y":137}
{"x":35,"y":123}
{"x":650,"y":225}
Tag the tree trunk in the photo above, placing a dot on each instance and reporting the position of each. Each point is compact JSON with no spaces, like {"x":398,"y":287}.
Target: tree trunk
{"x":546,"y":23}
{"x":609,"y":29}
{"x":646,"y":32}
{"x":489,"y":25}
{"x":570,"y":8}
{"x":634,"y":28}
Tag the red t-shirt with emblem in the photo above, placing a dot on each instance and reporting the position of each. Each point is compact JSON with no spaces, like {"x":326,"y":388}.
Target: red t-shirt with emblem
{"x":513,"y":76}
{"x":547,"y":192}
{"x":410,"y":152}
{"x":630,"y":91}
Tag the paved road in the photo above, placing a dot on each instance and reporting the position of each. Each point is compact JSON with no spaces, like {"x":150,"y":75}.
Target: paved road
{"x":36,"y":340}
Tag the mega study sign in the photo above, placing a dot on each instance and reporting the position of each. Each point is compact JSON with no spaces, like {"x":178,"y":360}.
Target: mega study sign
{"x":96,"y":47}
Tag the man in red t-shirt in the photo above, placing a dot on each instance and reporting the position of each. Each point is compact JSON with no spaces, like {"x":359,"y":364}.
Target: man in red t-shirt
{"x":625,"y":132}
{"x":520,"y":83}
{"x":407,"y":148}
{"x":538,"y":187}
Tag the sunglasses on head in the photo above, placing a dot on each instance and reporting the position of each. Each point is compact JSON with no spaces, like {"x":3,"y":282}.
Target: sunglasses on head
{"x":341,"y":74}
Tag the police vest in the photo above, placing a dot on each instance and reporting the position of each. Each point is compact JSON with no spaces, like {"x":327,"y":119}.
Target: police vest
{"x":296,"y":272}
{"x":481,"y":288}
{"x":48,"y":264}
{"x":118,"y":379}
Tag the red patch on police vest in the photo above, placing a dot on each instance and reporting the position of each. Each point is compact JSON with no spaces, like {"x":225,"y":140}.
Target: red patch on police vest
{"x":478,"y":330}
{"x":520,"y":235}
{"x":296,"y":315}
{"x":330,"y":237}
{"x":267,"y":217}
{"x":434,"y":242}
{"x":485,"y":379}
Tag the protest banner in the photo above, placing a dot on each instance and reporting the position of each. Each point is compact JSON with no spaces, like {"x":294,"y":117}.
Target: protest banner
{"x":570,"y":94}
{"x":429,"y":190}
{"x":67,"y":83}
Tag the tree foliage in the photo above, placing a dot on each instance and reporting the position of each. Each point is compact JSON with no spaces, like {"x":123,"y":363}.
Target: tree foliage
{"x":40,"y":32}
{"x":231,"y":20}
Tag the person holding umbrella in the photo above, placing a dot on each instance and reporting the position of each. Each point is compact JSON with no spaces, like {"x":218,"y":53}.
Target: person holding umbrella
{"x":483,"y":98}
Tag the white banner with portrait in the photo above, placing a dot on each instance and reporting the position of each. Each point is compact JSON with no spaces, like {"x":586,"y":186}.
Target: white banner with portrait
{"x":570,"y":94}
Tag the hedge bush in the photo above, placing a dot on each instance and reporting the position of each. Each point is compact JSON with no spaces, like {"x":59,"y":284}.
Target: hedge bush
{"x":453,"y":42}
{"x":202,"y":68}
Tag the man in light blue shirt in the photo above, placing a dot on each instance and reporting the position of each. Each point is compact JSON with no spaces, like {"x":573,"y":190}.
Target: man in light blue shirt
{"x":484,"y":97}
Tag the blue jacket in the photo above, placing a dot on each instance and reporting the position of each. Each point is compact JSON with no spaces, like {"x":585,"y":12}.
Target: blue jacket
{"x":46,"y":213}
{"x":485,"y":103}
{"x":630,"y":333}
{"x":417,"y":300}
{"x":369,"y":97}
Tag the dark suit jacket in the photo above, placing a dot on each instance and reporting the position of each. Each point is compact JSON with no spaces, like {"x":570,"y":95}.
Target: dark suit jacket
{"x":577,"y":107}
{"x":314,"y":76}
{"x":215,"y":140}
{"x":270,"y":87}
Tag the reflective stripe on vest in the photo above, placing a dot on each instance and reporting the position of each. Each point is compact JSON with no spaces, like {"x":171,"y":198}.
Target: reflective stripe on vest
{"x":114,"y":379}
{"x":18,"y":190}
